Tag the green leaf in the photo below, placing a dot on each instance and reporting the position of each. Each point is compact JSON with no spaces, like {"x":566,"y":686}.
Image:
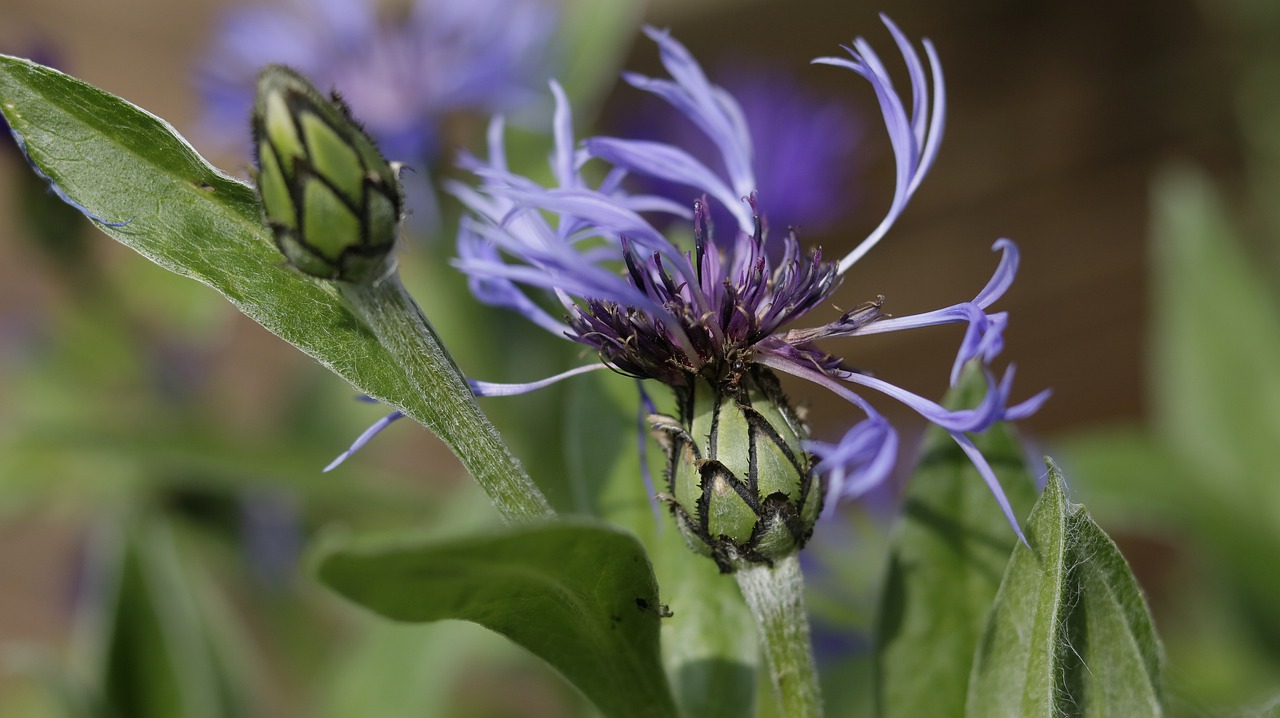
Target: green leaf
{"x":579,"y":594}
{"x":1070,"y":633}
{"x":390,"y":669}
{"x":709,"y":644}
{"x":1216,"y":376}
{"x":131,"y":169}
{"x":604,"y":31}
{"x":154,"y":650}
{"x":1216,"y":337}
{"x":948,"y":553}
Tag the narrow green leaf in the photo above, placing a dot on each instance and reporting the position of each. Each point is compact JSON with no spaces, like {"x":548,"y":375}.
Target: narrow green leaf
{"x":579,"y":594}
{"x":132,"y":169}
{"x":1217,"y":384}
{"x":157,"y":653}
{"x":602,"y":30}
{"x":390,"y":669}
{"x":1216,"y":381}
{"x":1070,"y":633}
{"x":948,"y":553}
{"x":709,"y":644}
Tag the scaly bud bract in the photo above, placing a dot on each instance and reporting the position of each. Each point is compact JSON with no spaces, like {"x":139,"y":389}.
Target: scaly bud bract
{"x":330,"y":198}
{"x":740,"y":481}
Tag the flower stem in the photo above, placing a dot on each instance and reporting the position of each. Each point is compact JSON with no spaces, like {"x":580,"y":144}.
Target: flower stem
{"x":445,"y":403}
{"x":776,"y":597}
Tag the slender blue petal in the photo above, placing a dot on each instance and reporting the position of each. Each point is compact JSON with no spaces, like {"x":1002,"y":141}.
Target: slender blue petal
{"x":1004,"y":274}
{"x":984,"y":337}
{"x":499,"y":291}
{"x":646,"y":409}
{"x":486,"y":388}
{"x":662,"y":161}
{"x":712,"y":109}
{"x":862,"y":459}
{"x":364,"y":438}
{"x":993,"y":484}
{"x":915,"y":138}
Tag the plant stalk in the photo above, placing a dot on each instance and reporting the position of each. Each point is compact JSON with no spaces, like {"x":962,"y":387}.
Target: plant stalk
{"x":448,"y":407}
{"x":775,"y":595}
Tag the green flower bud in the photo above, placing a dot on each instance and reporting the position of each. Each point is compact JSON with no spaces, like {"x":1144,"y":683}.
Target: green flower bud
{"x":739,"y":478}
{"x":332,"y":201}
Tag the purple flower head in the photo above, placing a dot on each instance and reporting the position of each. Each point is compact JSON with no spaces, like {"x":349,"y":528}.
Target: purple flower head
{"x":400,"y":66}
{"x":693,"y":313}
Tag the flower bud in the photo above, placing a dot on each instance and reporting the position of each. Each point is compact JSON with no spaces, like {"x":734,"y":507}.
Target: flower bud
{"x":740,"y":481}
{"x":331,"y":200}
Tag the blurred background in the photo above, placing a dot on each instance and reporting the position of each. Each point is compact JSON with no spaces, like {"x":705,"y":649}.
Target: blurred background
{"x":160,"y":454}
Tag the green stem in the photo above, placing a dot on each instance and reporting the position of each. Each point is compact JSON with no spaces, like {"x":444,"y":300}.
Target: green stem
{"x":446,"y":404}
{"x":776,"y":597}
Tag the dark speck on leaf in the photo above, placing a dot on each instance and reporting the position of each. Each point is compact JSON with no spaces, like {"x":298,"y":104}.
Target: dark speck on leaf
{"x":662,"y":611}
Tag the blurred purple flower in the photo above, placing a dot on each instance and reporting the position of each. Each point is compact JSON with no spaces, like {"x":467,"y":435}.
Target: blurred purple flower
{"x":271,"y":534}
{"x":402,"y":67}
{"x":804,"y":148}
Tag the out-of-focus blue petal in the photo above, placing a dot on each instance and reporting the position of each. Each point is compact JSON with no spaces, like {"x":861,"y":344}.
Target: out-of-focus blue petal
{"x":365,"y":438}
{"x":663,"y":161}
{"x":862,"y":459}
{"x":499,"y":291}
{"x":401,"y":72}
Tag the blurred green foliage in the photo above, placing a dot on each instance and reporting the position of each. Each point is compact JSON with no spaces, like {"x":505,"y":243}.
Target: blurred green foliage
{"x":1196,"y":491}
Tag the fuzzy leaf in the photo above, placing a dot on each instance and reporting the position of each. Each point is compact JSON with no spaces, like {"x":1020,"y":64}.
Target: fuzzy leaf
{"x":948,"y":554}
{"x":579,"y":594}
{"x":709,"y":645}
{"x":1070,"y":633}
{"x":153,"y":193}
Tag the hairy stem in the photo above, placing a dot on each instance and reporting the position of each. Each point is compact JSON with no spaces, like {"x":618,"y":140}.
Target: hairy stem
{"x":450,"y":409}
{"x":776,"y":597}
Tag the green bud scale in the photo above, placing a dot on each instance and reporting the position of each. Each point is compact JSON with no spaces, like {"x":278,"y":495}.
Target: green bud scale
{"x":330,"y":198}
{"x":740,"y":482}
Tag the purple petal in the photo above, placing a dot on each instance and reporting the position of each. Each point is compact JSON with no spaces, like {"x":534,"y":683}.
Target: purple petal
{"x":364,"y":438}
{"x":975,"y":420}
{"x":498,"y":291}
{"x":663,"y":161}
{"x":485,"y":388}
{"x":993,"y":484}
{"x":859,"y":462}
{"x":984,"y":336}
{"x":563,"y":163}
{"x":1004,"y":274}
{"x":647,"y":408}
{"x":915,"y":139}
{"x":709,"y":107}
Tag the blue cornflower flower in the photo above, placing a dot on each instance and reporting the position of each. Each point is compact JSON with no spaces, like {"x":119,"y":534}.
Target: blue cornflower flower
{"x":401,"y":67}
{"x":744,"y":480}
